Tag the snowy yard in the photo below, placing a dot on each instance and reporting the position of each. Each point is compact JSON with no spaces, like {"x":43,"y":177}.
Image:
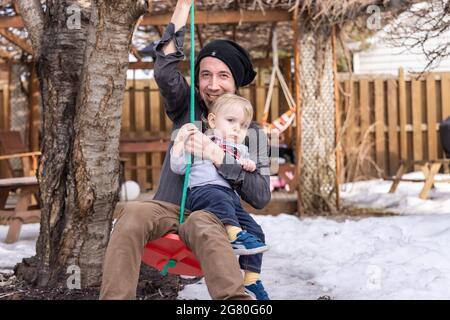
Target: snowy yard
{"x":400,"y":257}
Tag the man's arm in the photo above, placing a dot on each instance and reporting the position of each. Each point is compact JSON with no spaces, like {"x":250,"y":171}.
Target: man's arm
{"x":178,"y":19}
{"x":169,"y":52}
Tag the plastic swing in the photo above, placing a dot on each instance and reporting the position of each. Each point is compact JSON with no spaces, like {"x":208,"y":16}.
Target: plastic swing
{"x":169,"y":253}
{"x":285,"y":120}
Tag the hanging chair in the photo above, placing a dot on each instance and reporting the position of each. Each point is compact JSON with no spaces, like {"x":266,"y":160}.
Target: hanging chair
{"x":170,"y":254}
{"x":286,"y":119}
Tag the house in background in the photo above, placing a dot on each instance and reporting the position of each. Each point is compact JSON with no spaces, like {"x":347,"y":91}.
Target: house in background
{"x":382,"y":55}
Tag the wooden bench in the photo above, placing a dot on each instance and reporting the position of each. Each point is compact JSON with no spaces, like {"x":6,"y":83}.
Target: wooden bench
{"x":23,"y":212}
{"x":138,"y":148}
{"x":144,"y":144}
{"x":429,"y":168}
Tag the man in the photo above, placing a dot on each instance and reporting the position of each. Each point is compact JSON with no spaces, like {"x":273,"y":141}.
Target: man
{"x":221,"y":67}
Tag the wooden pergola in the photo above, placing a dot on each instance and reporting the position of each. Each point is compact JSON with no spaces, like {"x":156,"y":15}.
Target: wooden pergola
{"x":308,"y":30}
{"x":238,"y":24}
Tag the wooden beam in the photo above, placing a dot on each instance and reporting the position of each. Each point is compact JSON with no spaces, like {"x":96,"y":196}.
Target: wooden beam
{"x":16,"y":8}
{"x":269,"y":44}
{"x":201,"y":17}
{"x":184,"y":65}
{"x":14,"y":22}
{"x":159,"y":30}
{"x":35,"y":110}
{"x":18,"y":41}
{"x":223,"y":17}
{"x":135,"y":53}
{"x":199,"y":35}
{"x":5,"y":54}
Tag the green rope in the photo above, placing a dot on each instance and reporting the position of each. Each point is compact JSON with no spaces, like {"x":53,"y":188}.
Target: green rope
{"x":191,"y":111}
{"x":171,"y":263}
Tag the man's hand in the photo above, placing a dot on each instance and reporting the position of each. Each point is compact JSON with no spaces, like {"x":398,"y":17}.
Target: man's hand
{"x":200,"y":145}
{"x":182,"y":138}
{"x":179,"y":19}
{"x":248,"y":165}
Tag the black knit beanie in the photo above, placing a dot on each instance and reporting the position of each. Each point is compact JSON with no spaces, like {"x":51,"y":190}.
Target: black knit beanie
{"x":233,"y":55}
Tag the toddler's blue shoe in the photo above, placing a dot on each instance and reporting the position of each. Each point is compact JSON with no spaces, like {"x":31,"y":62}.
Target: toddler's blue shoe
{"x":247,"y":244}
{"x":257,"y":291}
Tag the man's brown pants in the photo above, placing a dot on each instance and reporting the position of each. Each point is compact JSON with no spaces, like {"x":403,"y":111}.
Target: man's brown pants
{"x":202,"y":232}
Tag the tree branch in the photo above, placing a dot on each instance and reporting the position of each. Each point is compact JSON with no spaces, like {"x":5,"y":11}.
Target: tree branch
{"x":33,"y":17}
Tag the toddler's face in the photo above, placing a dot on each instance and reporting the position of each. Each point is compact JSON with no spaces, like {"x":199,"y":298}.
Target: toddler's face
{"x":231,"y":124}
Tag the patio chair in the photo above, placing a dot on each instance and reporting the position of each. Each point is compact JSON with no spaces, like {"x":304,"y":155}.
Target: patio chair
{"x":19,"y":179}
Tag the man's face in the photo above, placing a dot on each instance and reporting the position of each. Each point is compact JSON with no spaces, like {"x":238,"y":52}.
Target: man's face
{"x":215,"y":79}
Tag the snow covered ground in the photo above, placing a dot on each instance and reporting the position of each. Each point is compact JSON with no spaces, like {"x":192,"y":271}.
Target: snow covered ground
{"x":405,"y":200}
{"x":401,"y":257}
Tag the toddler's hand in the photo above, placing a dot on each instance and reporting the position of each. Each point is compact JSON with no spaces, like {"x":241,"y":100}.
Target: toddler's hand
{"x":248,"y":165}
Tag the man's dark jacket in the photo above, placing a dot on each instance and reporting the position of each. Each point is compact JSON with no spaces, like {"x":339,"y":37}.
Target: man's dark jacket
{"x":253,"y":187}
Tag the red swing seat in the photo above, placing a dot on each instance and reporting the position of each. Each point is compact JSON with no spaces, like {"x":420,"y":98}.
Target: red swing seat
{"x":157,"y":254}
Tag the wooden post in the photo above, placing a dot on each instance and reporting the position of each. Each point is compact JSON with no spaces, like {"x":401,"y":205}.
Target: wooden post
{"x":392,"y":125}
{"x":402,"y":115}
{"x":155,"y":125}
{"x":430,"y":171}
{"x":379,"y":125}
{"x":125,"y":124}
{"x":23,"y":201}
{"x":141,"y":162}
{"x":398,"y":176}
{"x":298,"y":114}
{"x":431,"y":117}
{"x":337,"y":118}
{"x":260,"y":95}
{"x":445,"y":95}
{"x":364,"y":107}
{"x":416,"y":104}
{"x":7,"y":102}
{"x":364,"y":114}
{"x":349,"y":112}
{"x":288,"y":77}
{"x":5,"y":106}
{"x":274,"y":104}
{"x":35,"y":110}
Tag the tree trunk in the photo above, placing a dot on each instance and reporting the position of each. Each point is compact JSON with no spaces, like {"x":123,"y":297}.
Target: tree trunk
{"x":82,"y":74}
{"x":317,"y":183}
{"x":95,"y":166}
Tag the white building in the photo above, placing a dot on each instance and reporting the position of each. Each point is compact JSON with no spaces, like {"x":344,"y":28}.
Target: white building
{"x":387,"y":56}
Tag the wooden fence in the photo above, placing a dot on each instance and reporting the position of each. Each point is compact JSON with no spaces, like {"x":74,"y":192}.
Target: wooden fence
{"x":143,"y":118}
{"x":384,"y":119}
{"x":4,"y":105}
{"x":388,"y":118}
